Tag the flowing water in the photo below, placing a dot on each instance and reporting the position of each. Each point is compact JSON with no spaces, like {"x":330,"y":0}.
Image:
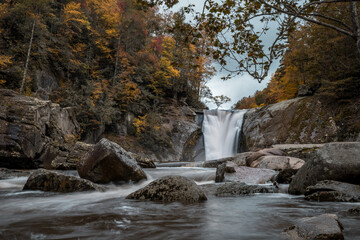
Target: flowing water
{"x":108,"y":215}
{"x":222,"y":130}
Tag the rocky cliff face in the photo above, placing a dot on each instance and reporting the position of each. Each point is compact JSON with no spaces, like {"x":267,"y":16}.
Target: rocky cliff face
{"x":33,"y":131}
{"x":301,"y":120}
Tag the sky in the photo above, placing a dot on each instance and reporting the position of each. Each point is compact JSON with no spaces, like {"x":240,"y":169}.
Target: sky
{"x":235,"y":88}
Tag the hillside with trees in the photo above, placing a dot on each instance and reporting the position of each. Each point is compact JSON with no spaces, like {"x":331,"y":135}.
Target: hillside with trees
{"x":104,"y":58}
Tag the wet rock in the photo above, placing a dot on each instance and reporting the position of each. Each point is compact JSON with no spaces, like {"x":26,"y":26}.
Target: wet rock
{"x":354,"y":211}
{"x":285,"y":176}
{"x":326,"y":226}
{"x":264,"y":152}
{"x":333,"y":191}
{"x":170,"y":189}
{"x":278,"y":162}
{"x":239,"y":160}
{"x":50,"y":181}
{"x":29,"y":127}
{"x":230,"y":167}
{"x":238,"y":189}
{"x":109,"y":162}
{"x":143,"y":161}
{"x":220,"y":172}
{"x":334,"y":161}
{"x":250,"y":175}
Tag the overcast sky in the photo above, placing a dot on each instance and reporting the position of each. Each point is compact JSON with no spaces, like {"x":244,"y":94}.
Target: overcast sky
{"x":235,"y":88}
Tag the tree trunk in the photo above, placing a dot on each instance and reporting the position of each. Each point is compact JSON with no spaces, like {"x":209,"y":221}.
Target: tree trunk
{"x":117,"y":58}
{"x":355,"y":20}
{"x":27,"y":58}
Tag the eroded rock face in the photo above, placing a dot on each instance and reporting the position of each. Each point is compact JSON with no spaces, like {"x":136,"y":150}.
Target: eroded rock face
{"x":299,"y":120}
{"x":326,"y":226}
{"x":109,"y":162}
{"x":334,"y":161}
{"x":333,"y":191}
{"x":50,"y":181}
{"x":30,"y":127}
{"x":170,"y":189}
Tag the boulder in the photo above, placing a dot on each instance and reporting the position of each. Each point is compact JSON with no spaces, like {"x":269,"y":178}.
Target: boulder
{"x":238,"y":189}
{"x":69,"y":160}
{"x":220,"y":172}
{"x":302,"y":151}
{"x":264,"y":152}
{"x":29,"y":127}
{"x":250,"y":175}
{"x":170,"y":189}
{"x":109,"y":162}
{"x":334,"y":161}
{"x":299,"y":120}
{"x":326,"y":226}
{"x":50,"y":181}
{"x":285,"y":176}
{"x":333,"y":191}
{"x":143,"y":162}
{"x":230,"y":167}
{"x":277,"y":163}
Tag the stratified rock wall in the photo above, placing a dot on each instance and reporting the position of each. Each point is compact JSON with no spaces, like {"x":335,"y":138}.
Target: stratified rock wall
{"x":298,"y":121}
{"x":33,"y":131}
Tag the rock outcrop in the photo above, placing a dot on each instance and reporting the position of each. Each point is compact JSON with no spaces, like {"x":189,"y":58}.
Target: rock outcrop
{"x":278,"y":163}
{"x":334,"y":161}
{"x":333,"y":191}
{"x":33,"y":131}
{"x":170,"y":189}
{"x":326,"y":226}
{"x":50,"y":181}
{"x":109,"y":162}
{"x":261,"y":153}
{"x":299,"y":120}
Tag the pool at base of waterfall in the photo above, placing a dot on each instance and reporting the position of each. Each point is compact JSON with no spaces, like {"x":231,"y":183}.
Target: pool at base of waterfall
{"x":108,"y":215}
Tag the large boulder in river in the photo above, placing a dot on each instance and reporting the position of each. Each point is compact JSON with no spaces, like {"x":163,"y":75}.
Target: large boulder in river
{"x":170,"y":189}
{"x":50,"y":181}
{"x":109,"y":162}
{"x":33,"y":131}
{"x":250,"y":175}
{"x":241,"y":189}
{"x":334,"y":161}
{"x":333,"y":191}
{"x":261,"y":153}
{"x":326,"y":226}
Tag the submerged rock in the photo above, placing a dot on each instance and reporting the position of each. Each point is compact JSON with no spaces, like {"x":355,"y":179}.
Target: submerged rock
{"x":278,"y":162}
{"x":170,"y":189}
{"x":50,"y":181}
{"x":236,"y":189}
{"x":109,"y":162}
{"x":333,"y":191}
{"x":334,"y":161}
{"x":326,"y":226}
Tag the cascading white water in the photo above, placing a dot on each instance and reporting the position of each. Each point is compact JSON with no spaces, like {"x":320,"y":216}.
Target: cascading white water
{"x":221,"y":129}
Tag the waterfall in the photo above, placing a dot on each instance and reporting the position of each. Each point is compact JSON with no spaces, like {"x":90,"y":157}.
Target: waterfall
{"x":222,"y":129}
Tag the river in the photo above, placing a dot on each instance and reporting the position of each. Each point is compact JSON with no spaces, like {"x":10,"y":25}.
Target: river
{"x":108,"y":215}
